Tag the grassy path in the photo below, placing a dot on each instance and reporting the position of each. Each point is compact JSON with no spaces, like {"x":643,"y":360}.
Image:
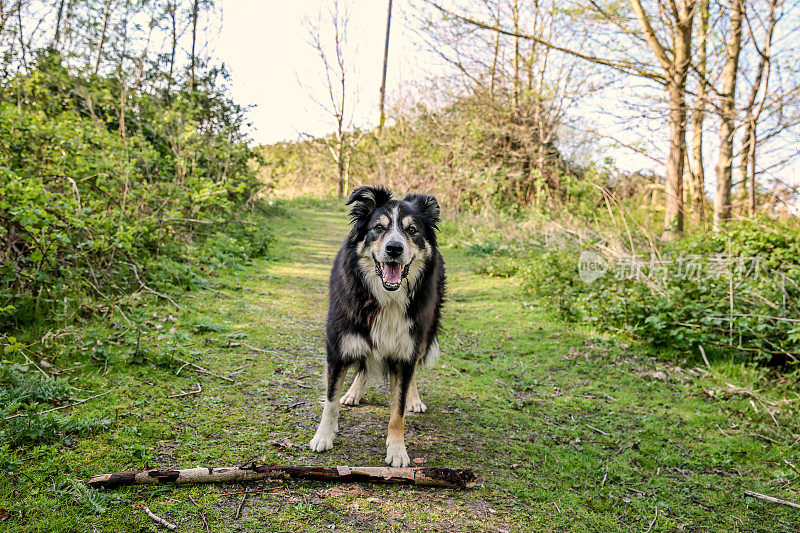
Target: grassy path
{"x":570,"y":431}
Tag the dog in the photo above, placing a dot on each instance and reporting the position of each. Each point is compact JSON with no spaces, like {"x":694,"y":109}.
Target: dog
{"x":386,"y":290}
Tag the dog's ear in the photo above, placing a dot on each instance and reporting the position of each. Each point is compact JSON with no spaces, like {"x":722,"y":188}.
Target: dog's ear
{"x":427,"y":205}
{"x":367,"y":199}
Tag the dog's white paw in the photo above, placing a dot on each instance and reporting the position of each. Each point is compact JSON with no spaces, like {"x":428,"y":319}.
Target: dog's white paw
{"x":323,"y":440}
{"x":415,"y":405}
{"x":396,"y":455}
{"x":350,"y":398}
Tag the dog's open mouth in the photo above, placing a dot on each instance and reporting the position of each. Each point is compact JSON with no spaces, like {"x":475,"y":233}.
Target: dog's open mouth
{"x":392,"y":273}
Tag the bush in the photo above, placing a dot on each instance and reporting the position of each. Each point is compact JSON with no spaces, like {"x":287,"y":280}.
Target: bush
{"x":94,"y":189}
{"x":755,"y":318}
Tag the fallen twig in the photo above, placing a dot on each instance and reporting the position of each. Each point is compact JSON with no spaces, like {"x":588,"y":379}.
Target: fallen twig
{"x":158,"y":520}
{"x":440,"y":477}
{"x":203,"y":370}
{"x":760,"y":436}
{"x":45,"y":374}
{"x":653,"y":522}
{"x":202,"y":514}
{"x":790,"y":465}
{"x":705,"y":359}
{"x":770,"y":499}
{"x":291,"y":405}
{"x":62,"y":406}
{"x":241,"y":505}
{"x":259,"y":491}
{"x":148,"y":289}
{"x":253,"y":347}
{"x":598,"y":430}
{"x":188,"y":393}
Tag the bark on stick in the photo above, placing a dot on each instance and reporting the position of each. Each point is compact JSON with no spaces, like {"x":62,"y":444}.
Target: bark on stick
{"x":437,"y":477}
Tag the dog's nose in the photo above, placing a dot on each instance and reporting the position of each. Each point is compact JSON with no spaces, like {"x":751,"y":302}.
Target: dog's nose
{"x":394,"y":249}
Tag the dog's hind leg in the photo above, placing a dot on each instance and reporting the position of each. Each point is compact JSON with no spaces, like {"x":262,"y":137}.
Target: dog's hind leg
{"x":413,"y":402}
{"x":399,"y":381}
{"x":329,"y":424}
{"x":353,"y":394}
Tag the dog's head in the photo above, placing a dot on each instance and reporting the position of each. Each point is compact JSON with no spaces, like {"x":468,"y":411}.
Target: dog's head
{"x":393,"y":238}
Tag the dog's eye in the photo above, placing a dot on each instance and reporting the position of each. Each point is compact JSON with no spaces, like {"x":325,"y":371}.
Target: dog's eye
{"x":412,"y":230}
{"x":379,"y":228}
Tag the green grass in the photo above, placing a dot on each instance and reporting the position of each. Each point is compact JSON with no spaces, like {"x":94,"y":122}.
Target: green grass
{"x":569,"y":430}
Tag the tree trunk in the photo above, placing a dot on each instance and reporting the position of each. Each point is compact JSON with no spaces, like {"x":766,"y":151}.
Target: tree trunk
{"x":340,"y":166}
{"x":675,"y":68}
{"x":195,"y":8}
{"x":673,"y":207}
{"x":751,"y":166}
{"x":493,"y":75}
{"x":697,"y":178}
{"x":21,"y":37}
{"x":727,"y":107}
{"x":747,"y":164}
{"x":101,"y":41}
{"x":57,"y":34}
{"x":385,"y":65}
{"x":172,"y":7}
{"x":515,"y":15}
{"x":437,"y":477}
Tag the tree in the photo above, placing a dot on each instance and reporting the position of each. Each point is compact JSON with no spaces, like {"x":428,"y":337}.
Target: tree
{"x":332,"y":47}
{"x":385,"y":65}
{"x":102,"y":39}
{"x":195,"y":14}
{"x":676,"y":67}
{"x":727,"y":111}
{"x":673,"y":59}
{"x":512,"y":98}
{"x":753,"y":109}
{"x":696,"y":182}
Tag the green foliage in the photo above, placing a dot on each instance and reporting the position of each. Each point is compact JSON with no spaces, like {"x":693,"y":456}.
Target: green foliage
{"x":25,"y":393}
{"x":473,"y":159}
{"x":18,"y":389}
{"x":749,"y":308}
{"x":48,"y":428}
{"x":94,"y":185}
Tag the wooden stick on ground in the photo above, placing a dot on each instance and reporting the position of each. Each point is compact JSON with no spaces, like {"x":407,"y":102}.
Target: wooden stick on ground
{"x":201,"y":369}
{"x":158,"y":520}
{"x":188,"y":393}
{"x":770,"y":499}
{"x":438,"y":477}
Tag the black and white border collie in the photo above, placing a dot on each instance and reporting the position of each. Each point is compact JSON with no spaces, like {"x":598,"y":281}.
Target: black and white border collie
{"x":386,"y":291}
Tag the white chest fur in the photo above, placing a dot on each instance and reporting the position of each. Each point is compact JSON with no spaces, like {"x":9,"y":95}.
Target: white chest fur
{"x":391,"y":333}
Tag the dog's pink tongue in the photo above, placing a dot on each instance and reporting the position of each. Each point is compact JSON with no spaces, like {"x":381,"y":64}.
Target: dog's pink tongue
{"x":392,"y":272}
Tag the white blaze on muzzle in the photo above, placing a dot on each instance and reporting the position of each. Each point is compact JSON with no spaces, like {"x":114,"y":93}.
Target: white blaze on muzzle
{"x":393,"y":267}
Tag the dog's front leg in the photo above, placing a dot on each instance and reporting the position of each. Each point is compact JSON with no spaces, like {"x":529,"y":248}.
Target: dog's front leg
{"x":399,"y":381}
{"x":353,"y":394}
{"x":329,"y":424}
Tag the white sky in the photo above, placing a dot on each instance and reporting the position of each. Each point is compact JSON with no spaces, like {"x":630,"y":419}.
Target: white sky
{"x":265,"y":45}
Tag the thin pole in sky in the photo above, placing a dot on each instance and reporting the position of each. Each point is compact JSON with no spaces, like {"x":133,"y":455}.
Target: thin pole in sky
{"x":385,"y":58}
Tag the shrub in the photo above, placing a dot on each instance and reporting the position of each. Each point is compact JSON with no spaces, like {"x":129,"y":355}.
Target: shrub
{"x":91,"y":196}
{"x":750,"y":313}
